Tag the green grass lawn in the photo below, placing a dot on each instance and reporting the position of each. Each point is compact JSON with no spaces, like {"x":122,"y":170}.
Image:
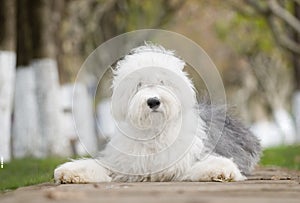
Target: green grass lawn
{"x":284,"y":156}
{"x":30,"y":171}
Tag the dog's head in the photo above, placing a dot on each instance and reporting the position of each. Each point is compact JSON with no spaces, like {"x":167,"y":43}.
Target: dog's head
{"x":150,"y":88}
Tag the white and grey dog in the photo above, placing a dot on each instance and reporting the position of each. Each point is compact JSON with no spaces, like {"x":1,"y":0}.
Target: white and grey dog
{"x":162,"y":132}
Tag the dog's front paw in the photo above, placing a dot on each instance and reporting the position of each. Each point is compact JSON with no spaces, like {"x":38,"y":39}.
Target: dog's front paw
{"x":218,"y":169}
{"x":81,"y":171}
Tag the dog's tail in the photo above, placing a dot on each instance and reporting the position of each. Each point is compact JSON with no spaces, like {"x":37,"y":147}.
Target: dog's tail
{"x":236,"y":141}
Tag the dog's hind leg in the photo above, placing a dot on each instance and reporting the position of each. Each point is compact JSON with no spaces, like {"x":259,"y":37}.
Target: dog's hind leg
{"x":215,"y":168}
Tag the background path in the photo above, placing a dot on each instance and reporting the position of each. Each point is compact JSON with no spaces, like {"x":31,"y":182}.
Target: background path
{"x":265,"y":185}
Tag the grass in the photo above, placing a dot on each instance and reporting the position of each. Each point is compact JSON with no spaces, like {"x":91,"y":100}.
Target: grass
{"x":30,"y":171}
{"x":284,"y":156}
{"x":27,"y":171}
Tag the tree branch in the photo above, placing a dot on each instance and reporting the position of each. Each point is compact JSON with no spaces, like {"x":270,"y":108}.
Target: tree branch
{"x":241,"y":9}
{"x":272,"y":11}
{"x":284,"y":15}
{"x":258,"y":7}
{"x":170,"y":9}
{"x":282,"y":39}
{"x":297,"y":1}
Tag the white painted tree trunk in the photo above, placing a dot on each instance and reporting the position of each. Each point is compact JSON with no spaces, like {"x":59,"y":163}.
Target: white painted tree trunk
{"x":38,"y":112}
{"x":68,"y":127}
{"x":268,"y":133}
{"x":7,"y":79}
{"x":280,"y":131}
{"x":49,"y":107}
{"x":26,"y":140}
{"x":296,"y":113}
{"x":84,"y":120}
{"x":286,"y":125}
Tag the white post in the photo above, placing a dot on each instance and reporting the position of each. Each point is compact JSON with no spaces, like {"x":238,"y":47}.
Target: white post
{"x":7,"y":79}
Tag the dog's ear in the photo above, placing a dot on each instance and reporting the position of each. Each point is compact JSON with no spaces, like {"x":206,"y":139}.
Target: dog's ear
{"x":118,"y":115}
{"x":118,"y":107}
{"x":121,"y":96}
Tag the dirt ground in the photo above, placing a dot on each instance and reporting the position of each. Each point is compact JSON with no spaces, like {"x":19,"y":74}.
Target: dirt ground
{"x":265,"y":185}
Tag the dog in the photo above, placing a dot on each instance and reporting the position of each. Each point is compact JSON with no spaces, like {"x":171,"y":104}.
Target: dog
{"x":162,"y":132}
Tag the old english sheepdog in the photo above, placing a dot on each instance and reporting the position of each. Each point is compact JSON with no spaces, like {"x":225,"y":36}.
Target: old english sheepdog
{"x":162,"y":132}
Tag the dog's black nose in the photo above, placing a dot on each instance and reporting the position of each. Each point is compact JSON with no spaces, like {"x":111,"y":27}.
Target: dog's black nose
{"x":153,"y":103}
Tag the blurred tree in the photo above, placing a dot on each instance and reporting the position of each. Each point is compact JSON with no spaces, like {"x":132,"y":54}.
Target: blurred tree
{"x":25,"y":117}
{"x":7,"y":73}
{"x":270,"y":71}
{"x":283,"y":19}
{"x":64,"y":32}
{"x":268,"y":66}
{"x":44,"y":64}
{"x":37,"y":109}
{"x":253,"y":37}
{"x":87,"y":24}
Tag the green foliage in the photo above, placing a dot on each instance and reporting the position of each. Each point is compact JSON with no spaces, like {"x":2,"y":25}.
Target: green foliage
{"x":27,"y":171}
{"x":137,"y":14}
{"x":246,"y":34}
{"x":285,"y":156}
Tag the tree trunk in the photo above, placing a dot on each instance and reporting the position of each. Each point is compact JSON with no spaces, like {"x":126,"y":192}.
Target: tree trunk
{"x":25,"y":139}
{"x":24,"y":49}
{"x":41,"y":26}
{"x":48,"y":107}
{"x":296,"y":112}
{"x":37,"y":107}
{"x":46,"y":78}
{"x":83,"y":116}
{"x":296,"y":57}
{"x":7,"y":22}
{"x":78,"y":108}
{"x":7,"y":74}
{"x":285,"y":124}
{"x":296,"y":65}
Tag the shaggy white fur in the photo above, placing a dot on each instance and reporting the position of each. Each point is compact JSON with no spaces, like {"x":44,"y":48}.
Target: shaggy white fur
{"x":159,"y":133}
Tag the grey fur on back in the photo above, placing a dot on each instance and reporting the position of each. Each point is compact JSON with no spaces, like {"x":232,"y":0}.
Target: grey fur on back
{"x":236,"y":141}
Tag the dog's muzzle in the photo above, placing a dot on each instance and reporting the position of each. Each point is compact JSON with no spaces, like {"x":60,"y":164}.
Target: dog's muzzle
{"x":153,"y":103}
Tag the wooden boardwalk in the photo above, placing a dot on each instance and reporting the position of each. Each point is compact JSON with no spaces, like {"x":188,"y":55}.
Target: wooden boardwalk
{"x":265,"y":185}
